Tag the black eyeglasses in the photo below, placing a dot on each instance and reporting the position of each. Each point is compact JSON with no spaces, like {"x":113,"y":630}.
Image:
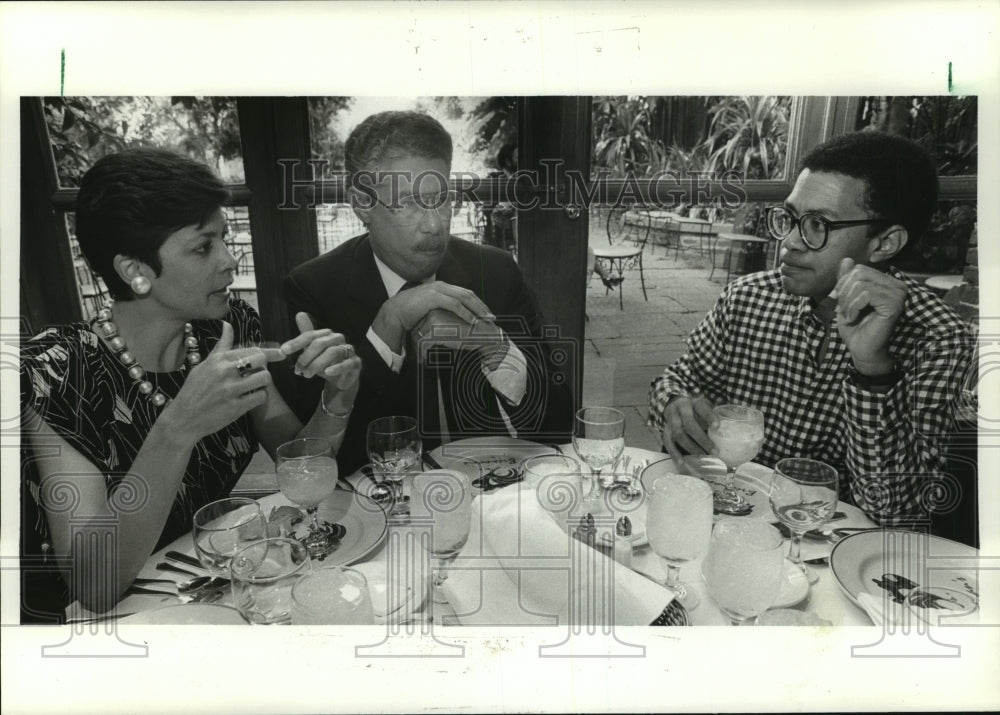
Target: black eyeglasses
{"x":814,"y":229}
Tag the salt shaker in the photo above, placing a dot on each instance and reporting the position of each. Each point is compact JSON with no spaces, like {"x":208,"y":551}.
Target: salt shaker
{"x":623,"y":542}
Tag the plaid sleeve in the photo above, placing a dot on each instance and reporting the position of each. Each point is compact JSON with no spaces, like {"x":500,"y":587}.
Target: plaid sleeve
{"x":894,"y":439}
{"x":698,"y":369}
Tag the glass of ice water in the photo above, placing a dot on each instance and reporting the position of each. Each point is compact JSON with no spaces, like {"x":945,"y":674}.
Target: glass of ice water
{"x":679,"y":525}
{"x":307,"y":474}
{"x":738,"y":435}
{"x":332,"y":596}
{"x":803,"y":497}
{"x":744,"y":567}
{"x":599,"y":440}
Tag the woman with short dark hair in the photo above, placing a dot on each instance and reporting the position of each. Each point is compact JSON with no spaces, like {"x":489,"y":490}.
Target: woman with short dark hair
{"x":154,"y":408}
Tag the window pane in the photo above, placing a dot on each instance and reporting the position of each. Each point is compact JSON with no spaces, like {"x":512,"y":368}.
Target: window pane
{"x":83,"y":129}
{"x":640,"y":136}
{"x":947,"y":127}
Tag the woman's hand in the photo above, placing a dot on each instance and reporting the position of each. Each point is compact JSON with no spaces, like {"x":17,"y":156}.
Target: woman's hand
{"x":326,"y":354}
{"x":217,"y":392}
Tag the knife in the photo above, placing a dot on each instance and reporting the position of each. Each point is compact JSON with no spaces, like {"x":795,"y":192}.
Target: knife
{"x":184,"y":559}
{"x":428,"y":459}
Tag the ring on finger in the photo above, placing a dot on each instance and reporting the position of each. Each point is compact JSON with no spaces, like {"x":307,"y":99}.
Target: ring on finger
{"x":348,"y":351}
{"x":243,"y":366}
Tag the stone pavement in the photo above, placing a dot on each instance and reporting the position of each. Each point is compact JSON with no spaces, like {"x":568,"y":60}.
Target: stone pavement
{"x":625,"y":349}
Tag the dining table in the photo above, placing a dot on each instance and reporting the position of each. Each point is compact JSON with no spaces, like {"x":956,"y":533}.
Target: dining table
{"x":371,"y":537}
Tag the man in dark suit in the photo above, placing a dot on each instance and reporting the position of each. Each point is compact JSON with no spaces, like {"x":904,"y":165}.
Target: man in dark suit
{"x":447,"y":330}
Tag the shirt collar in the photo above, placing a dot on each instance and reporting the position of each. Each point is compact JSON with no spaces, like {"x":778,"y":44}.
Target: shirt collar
{"x":392,"y":280}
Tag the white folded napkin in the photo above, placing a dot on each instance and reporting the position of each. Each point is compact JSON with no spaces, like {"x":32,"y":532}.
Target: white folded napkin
{"x":519,"y":567}
{"x":882,"y":609}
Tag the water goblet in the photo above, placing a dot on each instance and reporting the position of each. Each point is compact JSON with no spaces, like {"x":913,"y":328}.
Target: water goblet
{"x":307,"y":474}
{"x":394,"y":449}
{"x":331,"y":596}
{"x":679,"y":525}
{"x":599,"y":440}
{"x":557,"y":481}
{"x":222,"y":528}
{"x":263,"y":574}
{"x":442,"y":497}
{"x":738,"y":435}
{"x":744,"y":567}
{"x":803,"y":497}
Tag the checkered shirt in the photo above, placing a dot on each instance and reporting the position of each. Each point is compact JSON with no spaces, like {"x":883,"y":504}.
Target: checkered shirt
{"x":758,"y":347}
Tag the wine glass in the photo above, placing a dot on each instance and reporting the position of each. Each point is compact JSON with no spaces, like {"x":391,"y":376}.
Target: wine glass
{"x":263,"y":574}
{"x":394,"y":450}
{"x":744,"y":567}
{"x":738,"y":435}
{"x":599,"y":440}
{"x":332,"y":596}
{"x":445,"y":497}
{"x":679,"y":525}
{"x":803,"y":497}
{"x":307,"y":474}
{"x":222,"y":528}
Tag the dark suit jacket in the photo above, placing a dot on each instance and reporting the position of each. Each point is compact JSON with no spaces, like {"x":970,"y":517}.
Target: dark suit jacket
{"x":343,"y":291}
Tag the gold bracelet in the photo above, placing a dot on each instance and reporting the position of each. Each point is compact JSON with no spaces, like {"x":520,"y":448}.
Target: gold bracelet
{"x":328,"y":413}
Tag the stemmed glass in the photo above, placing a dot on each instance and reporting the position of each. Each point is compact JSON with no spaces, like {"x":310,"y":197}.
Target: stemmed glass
{"x":394,"y":450}
{"x":679,"y":525}
{"x":599,"y":440}
{"x":744,"y":567}
{"x":332,"y":596}
{"x":307,"y":474}
{"x":738,"y":435}
{"x":803,"y":497}
{"x":222,"y":528}
{"x":444,"y":497}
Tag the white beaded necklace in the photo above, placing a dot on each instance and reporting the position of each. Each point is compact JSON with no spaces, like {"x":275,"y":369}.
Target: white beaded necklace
{"x":136,"y":371}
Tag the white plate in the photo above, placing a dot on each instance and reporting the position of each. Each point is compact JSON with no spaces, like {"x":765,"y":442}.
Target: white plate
{"x":860,"y":561}
{"x":483,"y":457}
{"x":364,"y":523}
{"x":185,"y":614}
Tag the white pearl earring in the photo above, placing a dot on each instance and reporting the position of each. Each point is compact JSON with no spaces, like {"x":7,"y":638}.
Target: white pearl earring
{"x":141,"y":285}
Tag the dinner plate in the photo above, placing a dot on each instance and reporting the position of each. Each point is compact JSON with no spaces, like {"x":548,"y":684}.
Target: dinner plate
{"x":489,"y":462}
{"x":187,"y":614}
{"x":364,"y":524}
{"x":874,"y":562}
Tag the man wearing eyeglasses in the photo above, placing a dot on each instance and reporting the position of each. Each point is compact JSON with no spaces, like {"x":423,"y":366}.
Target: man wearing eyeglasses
{"x":447,"y":330}
{"x":851,"y":361}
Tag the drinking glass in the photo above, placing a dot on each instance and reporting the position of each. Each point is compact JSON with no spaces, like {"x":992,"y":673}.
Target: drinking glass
{"x":679,"y":525}
{"x":738,"y":435}
{"x":394,"y":450}
{"x":744,"y":567}
{"x":222,"y":528}
{"x":445,"y":497}
{"x":557,"y":481}
{"x":599,"y":440}
{"x":803,"y":497}
{"x":263,"y":574}
{"x":307,"y":474}
{"x":332,"y":596}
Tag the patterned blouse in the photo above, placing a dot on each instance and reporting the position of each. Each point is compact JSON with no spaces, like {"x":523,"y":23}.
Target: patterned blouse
{"x":76,"y":383}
